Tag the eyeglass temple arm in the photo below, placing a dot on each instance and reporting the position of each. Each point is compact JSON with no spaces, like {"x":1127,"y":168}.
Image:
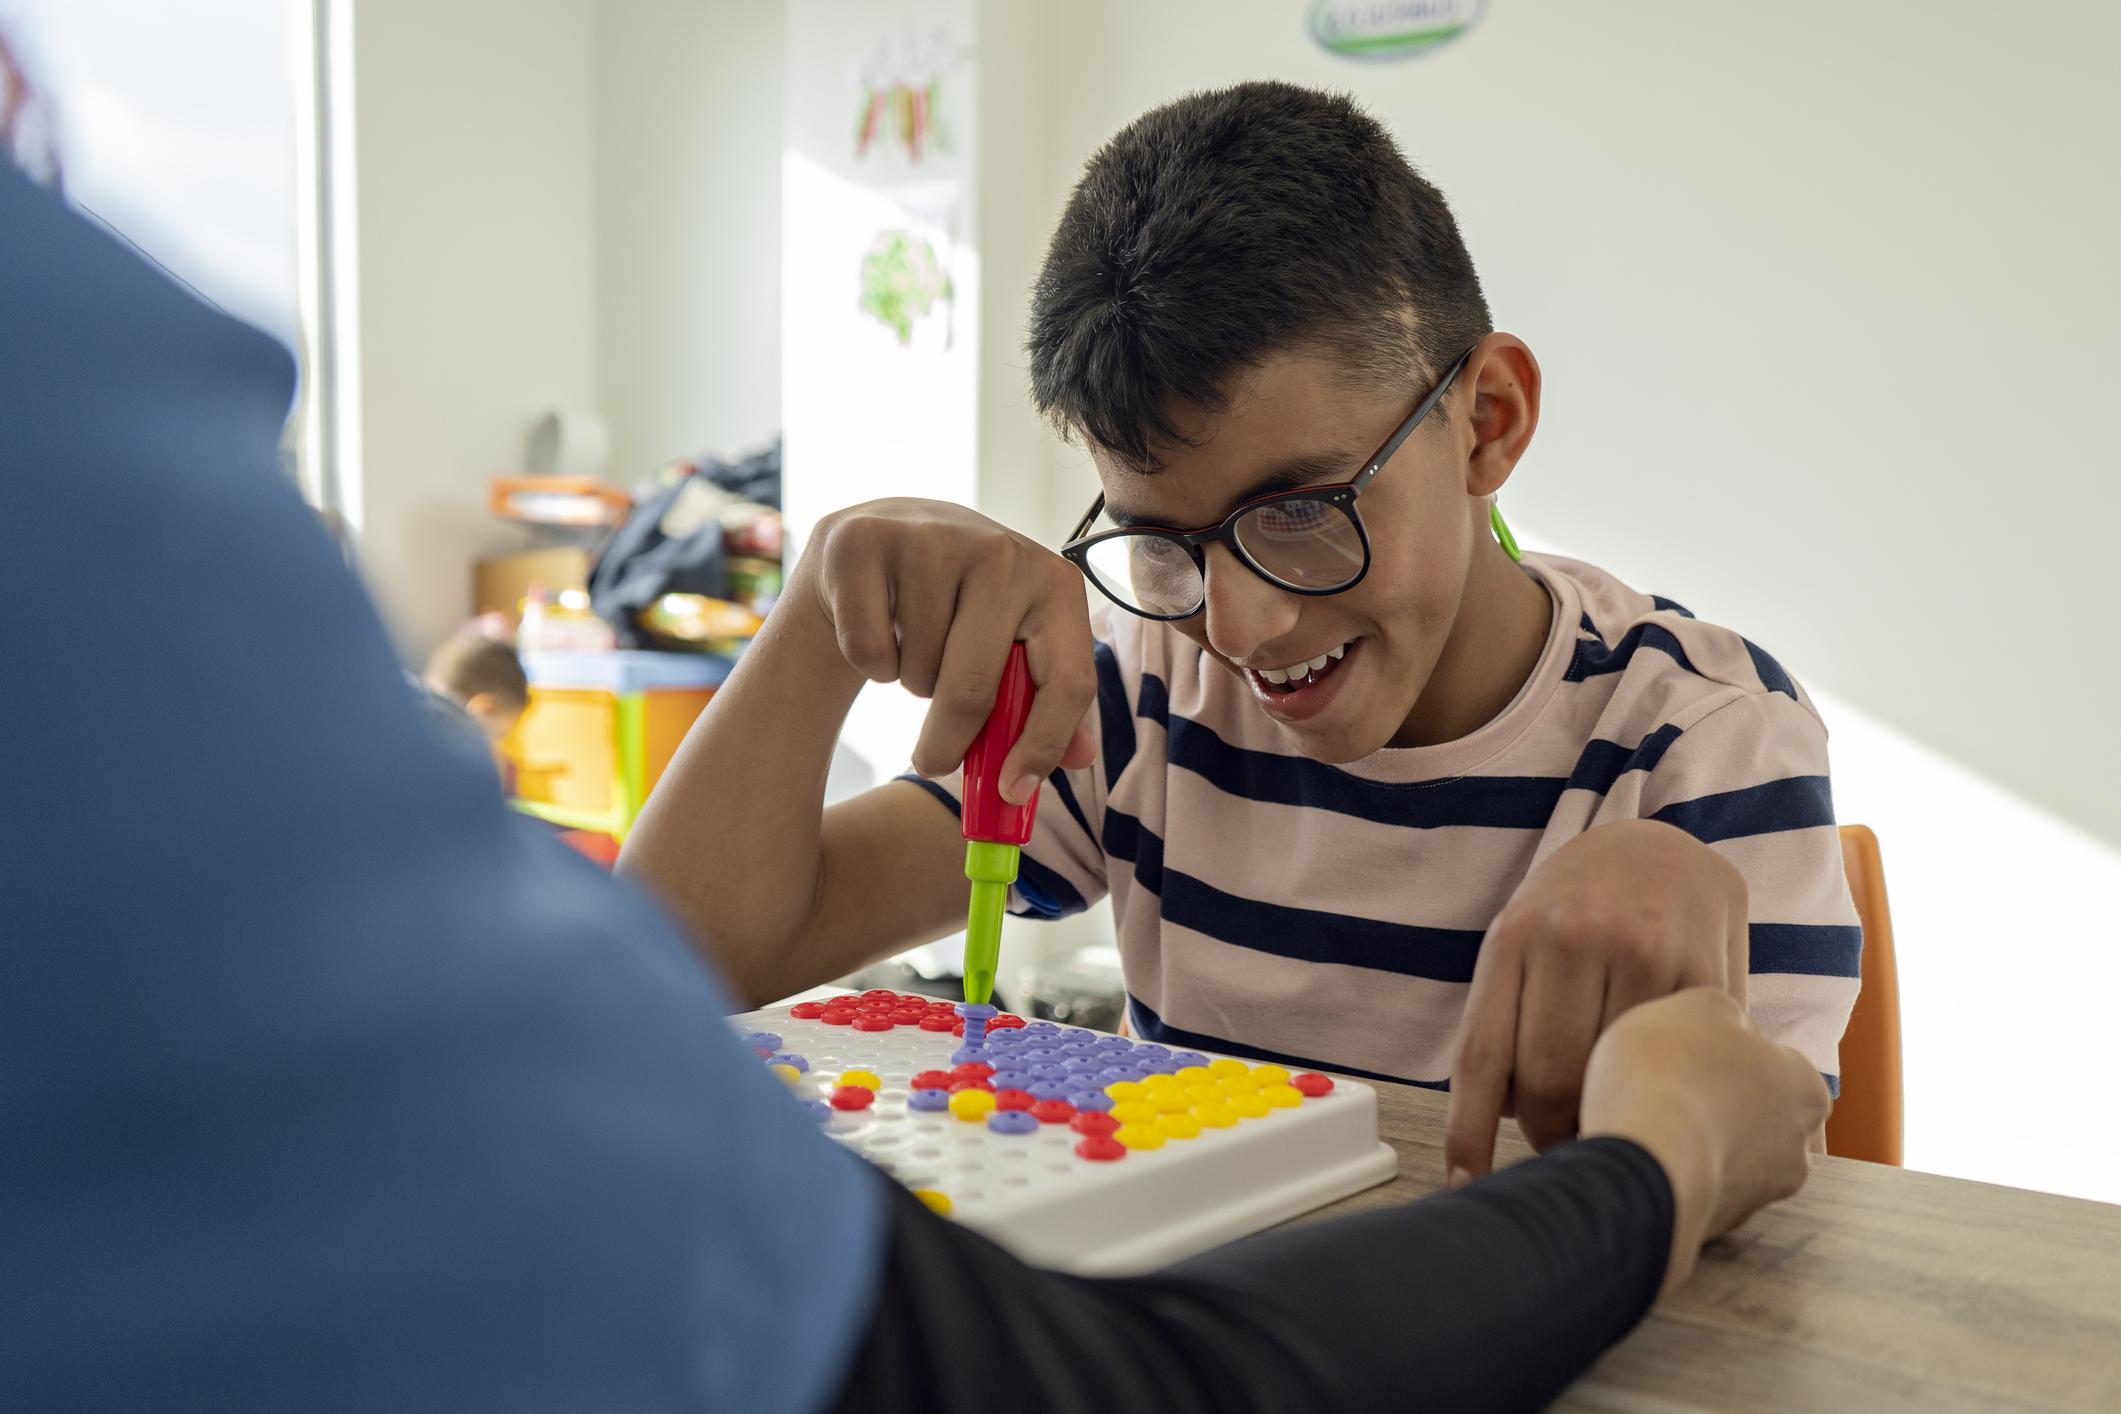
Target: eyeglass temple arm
{"x":1405,"y":429}
{"x":1082,"y":526}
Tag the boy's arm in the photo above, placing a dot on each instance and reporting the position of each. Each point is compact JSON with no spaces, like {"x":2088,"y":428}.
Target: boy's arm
{"x":1624,"y":913}
{"x":1749,"y":782}
{"x":782,"y":892}
{"x":785,"y":894}
{"x":1720,"y":866}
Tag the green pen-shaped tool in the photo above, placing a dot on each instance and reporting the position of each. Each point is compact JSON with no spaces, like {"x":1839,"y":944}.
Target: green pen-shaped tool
{"x":995,"y":831}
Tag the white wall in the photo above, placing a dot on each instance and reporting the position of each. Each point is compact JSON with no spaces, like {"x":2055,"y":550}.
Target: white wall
{"x":2008,"y":967}
{"x":476,"y":311}
{"x":688,"y":208}
{"x":866,"y":416}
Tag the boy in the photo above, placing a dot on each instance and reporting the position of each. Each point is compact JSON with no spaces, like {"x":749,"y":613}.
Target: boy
{"x":1363,"y":790}
{"x":484,"y":676}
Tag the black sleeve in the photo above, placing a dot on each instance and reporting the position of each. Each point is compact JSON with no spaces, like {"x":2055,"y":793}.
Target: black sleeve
{"x":1491,"y":1298}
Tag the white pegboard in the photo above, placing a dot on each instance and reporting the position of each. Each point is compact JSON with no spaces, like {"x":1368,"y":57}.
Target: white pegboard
{"x":1035,"y":1195}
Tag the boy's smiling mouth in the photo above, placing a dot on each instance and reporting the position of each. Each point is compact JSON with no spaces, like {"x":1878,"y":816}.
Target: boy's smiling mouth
{"x":1300,"y":675}
{"x":1302,"y":690}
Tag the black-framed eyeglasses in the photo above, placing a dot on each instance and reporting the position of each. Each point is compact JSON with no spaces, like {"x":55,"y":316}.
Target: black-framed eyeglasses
{"x":1308,"y":541}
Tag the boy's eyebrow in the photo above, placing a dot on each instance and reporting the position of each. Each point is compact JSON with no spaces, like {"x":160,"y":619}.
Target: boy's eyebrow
{"x":1305,"y":470}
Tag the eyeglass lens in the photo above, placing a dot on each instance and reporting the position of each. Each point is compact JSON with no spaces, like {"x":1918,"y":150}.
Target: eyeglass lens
{"x":1301,"y":542}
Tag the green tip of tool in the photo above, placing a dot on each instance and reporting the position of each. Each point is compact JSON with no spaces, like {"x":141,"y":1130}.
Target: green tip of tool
{"x":992,"y":869}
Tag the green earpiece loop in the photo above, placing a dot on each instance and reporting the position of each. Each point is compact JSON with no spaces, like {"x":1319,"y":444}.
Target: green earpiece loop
{"x":1502,"y":533}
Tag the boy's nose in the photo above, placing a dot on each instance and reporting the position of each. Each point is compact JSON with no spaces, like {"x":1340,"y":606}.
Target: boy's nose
{"x":1242,"y":611}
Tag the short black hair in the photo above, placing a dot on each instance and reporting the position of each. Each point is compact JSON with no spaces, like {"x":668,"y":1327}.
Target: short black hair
{"x":1230,"y":225}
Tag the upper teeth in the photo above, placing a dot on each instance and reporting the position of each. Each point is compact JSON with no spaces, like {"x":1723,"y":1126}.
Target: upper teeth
{"x":1278,"y":676}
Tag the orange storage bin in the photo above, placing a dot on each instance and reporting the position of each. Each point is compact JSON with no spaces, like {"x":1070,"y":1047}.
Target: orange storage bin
{"x":600,"y":729}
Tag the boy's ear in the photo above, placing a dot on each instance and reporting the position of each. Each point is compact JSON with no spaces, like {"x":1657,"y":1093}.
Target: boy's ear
{"x":1504,"y":380}
{"x":480,"y":705}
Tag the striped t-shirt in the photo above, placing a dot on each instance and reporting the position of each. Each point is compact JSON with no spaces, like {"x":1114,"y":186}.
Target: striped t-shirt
{"x":1269,"y":904}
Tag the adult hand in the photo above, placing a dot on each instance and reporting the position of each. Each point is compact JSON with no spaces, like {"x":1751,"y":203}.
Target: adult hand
{"x":1728,"y":1113}
{"x":931,"y":595}
{"x":1623,"y":914}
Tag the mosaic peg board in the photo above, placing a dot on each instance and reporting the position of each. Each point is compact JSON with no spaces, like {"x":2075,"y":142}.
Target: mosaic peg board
{"x":1073,"y":1148}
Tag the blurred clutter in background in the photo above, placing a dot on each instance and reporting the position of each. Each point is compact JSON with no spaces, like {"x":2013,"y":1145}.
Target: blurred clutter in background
{"x":627,"y":607}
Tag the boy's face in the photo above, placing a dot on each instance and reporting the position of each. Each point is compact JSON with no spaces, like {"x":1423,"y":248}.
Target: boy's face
{"x":1420,"y":513}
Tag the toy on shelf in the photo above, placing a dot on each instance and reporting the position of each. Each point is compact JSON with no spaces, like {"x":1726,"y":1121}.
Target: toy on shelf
{"x":560,"y":623}
{"x":1071,"y":1147}
{"x":557,"y":500}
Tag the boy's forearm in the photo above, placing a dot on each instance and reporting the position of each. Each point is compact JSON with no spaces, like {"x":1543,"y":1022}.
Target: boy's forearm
{"x":730,"y":838}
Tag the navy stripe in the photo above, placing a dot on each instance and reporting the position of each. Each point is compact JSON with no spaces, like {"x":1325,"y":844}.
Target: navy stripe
{"x":1604,"y":762}
{"x":1585,"y":625}
{"x":949,"y":801}
{"x":1154,"y":704}
{"x":1814,"y":949}
{"x":1126,"y":841}
{"x":1594,"y":659}
{"x":1792,"y":803}
{"x":1115,"y":721}
{"x":1670,"y":607}
{"x":1148,"y":1026}
{"x":1303,"y":934}
{"x":1772,"y":677}
{"x":1492,"y":802}
{"x":1120,"y":837}
{"x":1045,"y":893}
{"x":1309,"y":935}
{"x":1059,"y":781}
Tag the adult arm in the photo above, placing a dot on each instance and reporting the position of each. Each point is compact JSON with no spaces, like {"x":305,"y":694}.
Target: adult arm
{"x":1492,"y":1298}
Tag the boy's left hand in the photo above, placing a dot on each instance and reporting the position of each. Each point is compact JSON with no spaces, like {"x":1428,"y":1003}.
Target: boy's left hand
{"x":1624,"y":913}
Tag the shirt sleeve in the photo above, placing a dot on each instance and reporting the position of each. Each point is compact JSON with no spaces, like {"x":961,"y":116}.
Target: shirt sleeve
{"x":1491,"y":1298}
{"x":1062,"y":871}
{"x":1749,"y":779}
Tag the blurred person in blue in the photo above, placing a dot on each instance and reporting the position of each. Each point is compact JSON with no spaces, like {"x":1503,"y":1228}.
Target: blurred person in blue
{"x":328,"y":1083}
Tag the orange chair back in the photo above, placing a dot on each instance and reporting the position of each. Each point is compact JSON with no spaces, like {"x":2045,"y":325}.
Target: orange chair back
{"x":1866,"y":1123}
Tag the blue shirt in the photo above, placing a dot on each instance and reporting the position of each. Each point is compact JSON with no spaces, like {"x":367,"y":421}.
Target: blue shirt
{"x":325,"y":1082}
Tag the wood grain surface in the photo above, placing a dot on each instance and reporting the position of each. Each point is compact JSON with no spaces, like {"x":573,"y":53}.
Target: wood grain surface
{"x":1873,"y":1289}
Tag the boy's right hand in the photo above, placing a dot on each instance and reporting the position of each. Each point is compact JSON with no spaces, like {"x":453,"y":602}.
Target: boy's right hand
{"x":1728,"y":1113}
{"x":931,"y":595}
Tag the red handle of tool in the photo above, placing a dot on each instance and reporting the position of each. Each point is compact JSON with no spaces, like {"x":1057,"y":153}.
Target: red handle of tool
{"x":987,"y":816}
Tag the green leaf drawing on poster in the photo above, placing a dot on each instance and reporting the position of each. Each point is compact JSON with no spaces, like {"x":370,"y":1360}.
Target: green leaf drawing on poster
{"x":902,"y":282}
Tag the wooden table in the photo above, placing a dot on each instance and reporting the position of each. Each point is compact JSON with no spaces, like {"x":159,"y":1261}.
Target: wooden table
{"x":1873,"y":1289}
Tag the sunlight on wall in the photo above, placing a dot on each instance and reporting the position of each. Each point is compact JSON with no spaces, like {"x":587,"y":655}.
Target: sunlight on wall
{"x":866,"y":418}
{"x":2010,"y":960}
